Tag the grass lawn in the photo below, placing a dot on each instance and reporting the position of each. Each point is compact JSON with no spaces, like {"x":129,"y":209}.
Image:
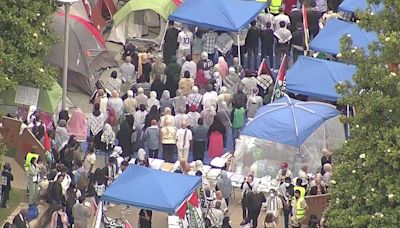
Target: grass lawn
{"x":16,"y":197}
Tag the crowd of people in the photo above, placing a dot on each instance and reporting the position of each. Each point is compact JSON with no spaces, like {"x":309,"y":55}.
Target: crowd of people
{"x":194,"y":97}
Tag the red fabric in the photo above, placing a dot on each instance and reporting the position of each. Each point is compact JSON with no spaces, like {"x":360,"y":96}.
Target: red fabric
{"x":264,"y":69}
{"x":288,"y":6}
{"x":181,"y":212}
{"x":112,"y":117}
{"x":194,"y":200}
{"x":127,"y":224}
{"x":177,"y":2}
{"x":216,"y":145}
{"x":89,"y":27}
{"x":305,"y":26}
{"x":46,"y":141}
{"x":200,"y":81}
{"x":282,"y":69}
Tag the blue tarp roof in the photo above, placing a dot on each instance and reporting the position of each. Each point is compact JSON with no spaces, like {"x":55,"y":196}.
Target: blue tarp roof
{"x":318,"y":78}
{"x":354,"y":5}
{"x":151,"y":189}
{"x":225,"y":15}
{"x":289,"y":121}
{"x":328,"y":39}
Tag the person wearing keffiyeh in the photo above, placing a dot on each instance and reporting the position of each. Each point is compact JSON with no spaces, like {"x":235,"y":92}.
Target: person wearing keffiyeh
{"x":282,"y":47}
{"x":274,"y":205}
{"x":108,"y":137}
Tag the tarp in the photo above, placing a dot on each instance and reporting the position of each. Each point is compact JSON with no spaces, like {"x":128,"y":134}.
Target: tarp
{"x":328,"y":39}
{"x":225,"y":15}
{"x":318,"y":78}
{"x":163,"y":7}
{"x":289,"y":121}
{"x":354,"y":5}
{"x":49,"y":100}
{"x":88,"y":54}
{"x":151,"y":189}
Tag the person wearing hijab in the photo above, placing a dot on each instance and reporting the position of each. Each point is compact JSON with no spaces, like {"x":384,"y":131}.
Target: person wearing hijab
{"x":210,"y":96}
{"x":63,"y":115}
{"x":166,"y":100}
{"x":112,"y":118}
{"x":108,"y":137}
{"x":144,"y":68}
{"x":102,"y":100}
{"x":173,"y":75}
{"x":224,"y":184}
{"x":157,"y":86}
{"x":170,"y":45}
{"x":179,"y":102}
{"x":194,"y":98}
{"x":158,"y":68}
{"x":208,"y":114}
{"x":232,"y":80}
{"x":153,"y":101}
{"x":167,"y":116}
{"x":116,"y":103}
{"x":180,"y":116}
{"x":168,"y":140}
{"x":140,"y":117}
{"x":95,"y":123}
{"x":124,"y":138}
{"x":226,"y":97}
{"x":77,"y":125}
{"x":201,"y":81}
{"x":249,"y":82}
{"x":130,"y":104}
{"x":216,"y":134}
{"x":223,"y":67}
{"x":193,"y":116}
{"x":154,"y":114}
{"x":223,"y":114}
{"x":142,"y":159}
{"x":61,"y":135}
{"x":186,"y":83}
{"x":190,"y":66}
{"x":254,"y":102}
{"x":141,"y":98}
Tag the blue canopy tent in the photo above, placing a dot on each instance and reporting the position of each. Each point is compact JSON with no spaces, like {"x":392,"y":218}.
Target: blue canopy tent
{"x":328,"y":39}
{"x":225,"y":15}
{"x":289,"y":121}
{"x":151,"y":189}
{"x":318,"y":78}
{"x":354,"y":5}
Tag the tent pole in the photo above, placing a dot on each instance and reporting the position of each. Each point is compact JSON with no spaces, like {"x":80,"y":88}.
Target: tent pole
{"x":238,"y":38}
{"x":348,"y":116}
{"x":165,"y":32}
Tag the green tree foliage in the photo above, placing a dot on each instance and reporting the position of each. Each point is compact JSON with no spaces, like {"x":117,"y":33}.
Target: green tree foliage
{"x":365,"y":188}
{"x":25,"y":40}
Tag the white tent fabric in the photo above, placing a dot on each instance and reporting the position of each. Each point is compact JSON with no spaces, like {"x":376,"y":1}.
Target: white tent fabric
{"x":264,"y":157}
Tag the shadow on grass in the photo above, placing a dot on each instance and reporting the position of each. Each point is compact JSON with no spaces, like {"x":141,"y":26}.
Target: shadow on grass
{"x":16,"y":197}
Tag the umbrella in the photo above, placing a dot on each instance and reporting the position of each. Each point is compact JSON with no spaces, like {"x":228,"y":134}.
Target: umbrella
{"x":289,"y":121}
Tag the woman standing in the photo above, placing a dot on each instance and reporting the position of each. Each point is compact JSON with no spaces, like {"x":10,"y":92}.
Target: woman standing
{"x":108,"y":138}
{"x":152,"y":101}
{"x":216,"y":134}
{"x":96,"y":121}
{"x":116,"y":103}
{"x":142,"y":159}
{"x":77,"y":125}
{"x":33,"y":173}
{"x":168,"y":140}
{"x":186,"y":83}
{"x":124,"y":138}
{"x":166,"y":100}
{"x":152,"y":115}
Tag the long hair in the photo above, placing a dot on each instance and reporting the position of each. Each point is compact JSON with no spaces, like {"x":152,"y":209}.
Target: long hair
{"x":217,"y":125}
{"x":46,"y":218}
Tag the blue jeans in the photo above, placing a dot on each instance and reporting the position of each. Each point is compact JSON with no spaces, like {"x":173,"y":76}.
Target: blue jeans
{"x":235,"y":135}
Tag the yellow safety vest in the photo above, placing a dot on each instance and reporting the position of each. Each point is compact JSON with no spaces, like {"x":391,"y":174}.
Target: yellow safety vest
{"x":300,"y":212}
{"x":28,"y":159}
{"x":302,"y":191}
{"x":274,"y":7}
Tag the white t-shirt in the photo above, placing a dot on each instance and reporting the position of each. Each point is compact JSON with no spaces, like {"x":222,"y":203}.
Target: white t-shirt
{"x":279,"y":18}
{"x":89,"y":160}
{"x":180,"y":138}
{"x":185,"y":39}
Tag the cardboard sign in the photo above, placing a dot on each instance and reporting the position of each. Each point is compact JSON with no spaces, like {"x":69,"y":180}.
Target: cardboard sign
{"x":26,"y":95}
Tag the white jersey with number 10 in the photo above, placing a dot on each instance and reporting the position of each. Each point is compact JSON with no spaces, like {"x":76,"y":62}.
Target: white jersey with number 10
{"x":185,"y":39}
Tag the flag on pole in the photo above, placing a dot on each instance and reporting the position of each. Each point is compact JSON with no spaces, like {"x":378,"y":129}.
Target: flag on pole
{"x":306,"y":30}
{"x":194,"y":200}
{"x":280,"y":83}
{"x":181,"y":212}
{"x":264,"y":68}
{"x":46,"y":140}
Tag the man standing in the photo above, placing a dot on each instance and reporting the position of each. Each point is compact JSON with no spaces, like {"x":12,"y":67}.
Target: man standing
{"x":7,"y":177}
{"x":56,"y":193}
{"x":299,"y":206}
{"x":81,"y":213}
{"x":267,"y":44}
{"x":185,"y":38}
{"x":238,"y":116}
{"x":128,"y":70}
{"x":199,"y":140}
{"x":205,"y":64}
{"x":282,"y":45}
{"x":209,"y":39}
{"x":183,"y":140}
{"x":253,"y":35}
{"x":275,"y":6}
{"x":113,"y":83}
{"x":170,"y":44}
{"x":281,"y":17}
{"x":297,"y":42}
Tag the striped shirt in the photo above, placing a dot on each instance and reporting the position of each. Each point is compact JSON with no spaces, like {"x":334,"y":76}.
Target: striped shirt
{"x":209,"y":39}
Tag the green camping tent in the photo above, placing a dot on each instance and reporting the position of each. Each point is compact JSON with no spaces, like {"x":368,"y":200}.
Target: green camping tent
{"x":49,"y":100}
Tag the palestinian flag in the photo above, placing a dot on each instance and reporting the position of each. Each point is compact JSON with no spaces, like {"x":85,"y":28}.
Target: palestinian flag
{"x":306,"y":30}
{"x":264,"y":68}
{"x":280,"y":84}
